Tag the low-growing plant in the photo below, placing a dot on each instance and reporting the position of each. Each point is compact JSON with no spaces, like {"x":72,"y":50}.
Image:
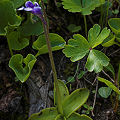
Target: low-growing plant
{"x":18,"y":31}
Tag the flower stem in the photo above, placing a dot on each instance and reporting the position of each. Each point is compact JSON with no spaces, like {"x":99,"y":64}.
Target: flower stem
{"x":46,"y":30}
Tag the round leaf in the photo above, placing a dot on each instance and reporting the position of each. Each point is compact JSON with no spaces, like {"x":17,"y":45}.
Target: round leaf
{"x":57,"y":43}
{"x":109,"y":84}
{"x":105,"y":92}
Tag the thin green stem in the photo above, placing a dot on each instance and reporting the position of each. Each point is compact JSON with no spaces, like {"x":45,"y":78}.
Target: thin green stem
{"x":107,"y":13}
{"x":101,"y":18}
{"x":85,"y":22}
{"x":10,"y":49}
{"x":46,"y":30}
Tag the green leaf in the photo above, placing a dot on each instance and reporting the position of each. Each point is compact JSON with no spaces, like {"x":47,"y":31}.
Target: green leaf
{"x":73,"y":28}
{"x":31,"y":27}
{"x":117,"y":37}
{"x":109,"y":84}
{"x":95,"y":37}
{"x":77,"y":48}
{"x":17,"y":42}
{"x":111,"y":69}
{"x":18,"y":3}
{"x":7,"y":15}
{"x":76,"y":116}
{"x":109,"y":41}
{"x":83,"y":6}
{"x":96,"y":60}
{"x":45,"y":114}
{"x":74,"y":101}
{"x":57,"y":43}
{"x":63,"y":91}
{"x":105,"y":92}
{"x":71,"y":79}
{"x":114,"y":24}
{"x":81,"y":74}
{"x":16,"y":64}
{"x":60,"y":117}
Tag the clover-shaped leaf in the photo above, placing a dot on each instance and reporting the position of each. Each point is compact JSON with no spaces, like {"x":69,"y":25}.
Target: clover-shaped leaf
{"x":96,"y":60}
{"x":95,"y":37}
{"x":77,"y":48}
{"x":17,"y":63}
{"x":84,"y":6}
{"x":45,"y":114}
{"x":57,"y":43}
{"x":7,"y":15}
{"x":74,"y":101}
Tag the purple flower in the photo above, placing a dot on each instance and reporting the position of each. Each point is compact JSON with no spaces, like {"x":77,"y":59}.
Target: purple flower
{"x":34,"y":9}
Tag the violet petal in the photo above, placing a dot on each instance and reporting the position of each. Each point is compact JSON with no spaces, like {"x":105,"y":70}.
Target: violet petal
{"x":36,"y":4}
{"x":37,"y":11}
{"x":29,"y":4}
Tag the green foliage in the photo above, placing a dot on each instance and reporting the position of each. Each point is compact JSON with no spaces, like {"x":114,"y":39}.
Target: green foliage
{"x":109,"y":41}
{"x":31,"y":26}
{"x":7,"y":16}
{"x":109,"y":84}
{"x":111,"y":69}
{"x":18,"y":3}
{"x":57,"y":43}
{"x":96,"y":60}
{"x":63,"y":91}
{"x":95,"y":37}
{"x":17,"y":42}
{"x":74,"y":101}
{"x":78,"y":47}
{"x":45,"y":114}
{"x":76,"y":116}
{"x":105,"y":92}
{"x":73,"y":28}
{"x":22,"y":66}
{"x":89,"y":109}
{"x":114,"y":24}
{"x":70,"y":103}
{"x":83,"y":6}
